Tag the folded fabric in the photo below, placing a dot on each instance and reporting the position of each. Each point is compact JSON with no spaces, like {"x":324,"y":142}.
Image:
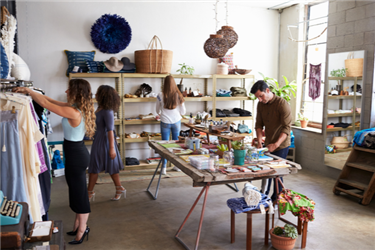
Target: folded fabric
{"x":341,"y":124}
{"x":241,"y":112}
{"x":219,"y":113}
{"x":131,"y":161}
{"x":223,"y":91}
{"x":238,"y":205}
{"x":229,"y":113}
{"x":299,"y":204}
{"x":359,"y":136}
{"x":223,"y":95}
{"x":369,"y":141}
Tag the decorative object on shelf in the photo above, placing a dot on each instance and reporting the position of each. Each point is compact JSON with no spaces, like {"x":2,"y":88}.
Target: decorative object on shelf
{"x":216,"y":46}
{"x":340,"y":142}
{"x":4,"y":65}
{"x":19,"y":70}
{"x":284,"y":238}
{"x":338,"y":73}
{"x":285,"y":92}
{"x":228,"y":59}
{"x":184,"y":70}
{"x":144,"y":90}
{"x":78,"y":58}
{"x":222,"y":69}
{"x":111,"y":33}
{"x":113,"y":64}
{"x":238,"y":91}
{"x":127,"y":64}
{"x":303,"y":120}
{"x":153,"y":60}
{"x":95,"y":66}
{"x":242,"y":71}
{"x":354,"y":66}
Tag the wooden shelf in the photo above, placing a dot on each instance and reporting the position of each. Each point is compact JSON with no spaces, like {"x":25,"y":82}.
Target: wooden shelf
{"x":141,"y":139}
{"x":94,"y":75}
{"x":199,"y":99}
{"x":362,"y":166}
{"x":233,"y":76}
{"x":135,"y":122}
{"x":89,"y":142}
{"x":139,"y":99}
{"x":344,"y":150}
{"x":341,"y":129}
{"x":143,"y":164}
{"x":342,"y":115}
{"x":179,"y":76}
{"x":368,"y":150}
{"x":238,"y":118}
{"x":117,"y":122}
{"x":142,"y":75}
{"x":241,"y":98}
{"x":338,"y":97}
{"x":352,"y":183}
{"x":345,"y":78}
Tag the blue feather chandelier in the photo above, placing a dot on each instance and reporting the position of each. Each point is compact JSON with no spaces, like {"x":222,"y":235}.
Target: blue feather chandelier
{"x":111,"y":34}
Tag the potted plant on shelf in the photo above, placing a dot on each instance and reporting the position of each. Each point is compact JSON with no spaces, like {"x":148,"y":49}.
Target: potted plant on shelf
{"x":221,"y":148}
{"x":285,"y":92}
{"x":284,"y":238}
{"x":239,"y":152}
{"x":198,"y":119}
{"x":338,"y":73}
{"x":303,"y":120}
{"x":184,"y":70}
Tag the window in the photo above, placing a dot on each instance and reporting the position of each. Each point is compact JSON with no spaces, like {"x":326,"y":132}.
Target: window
{"x":315,"y":53}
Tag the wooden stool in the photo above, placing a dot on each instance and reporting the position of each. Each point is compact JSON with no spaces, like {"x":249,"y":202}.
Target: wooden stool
{"x":249,"y":227}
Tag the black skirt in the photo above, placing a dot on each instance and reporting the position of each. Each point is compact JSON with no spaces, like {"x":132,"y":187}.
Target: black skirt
{"x":77,"y":159}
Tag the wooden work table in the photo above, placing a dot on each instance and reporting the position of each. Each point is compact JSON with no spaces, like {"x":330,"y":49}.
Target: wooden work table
{"x":204,"y":178}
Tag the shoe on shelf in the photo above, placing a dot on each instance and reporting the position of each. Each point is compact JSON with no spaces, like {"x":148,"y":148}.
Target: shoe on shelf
{"x":119,"y":191}
{"x":91,"y":195}
{"x":76,"y":242}
{"x":176,"y":169}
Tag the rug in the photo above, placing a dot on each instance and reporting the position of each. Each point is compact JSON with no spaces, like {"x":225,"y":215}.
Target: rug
{"x":136,"y":175}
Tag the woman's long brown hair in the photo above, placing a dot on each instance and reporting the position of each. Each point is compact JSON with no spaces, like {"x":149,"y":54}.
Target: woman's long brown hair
{"x":80,"y":95}
{"x":172,"y":96}
{"x":108,"y":98}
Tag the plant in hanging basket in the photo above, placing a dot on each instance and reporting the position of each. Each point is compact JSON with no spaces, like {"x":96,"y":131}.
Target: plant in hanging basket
{"x":284,"y":238}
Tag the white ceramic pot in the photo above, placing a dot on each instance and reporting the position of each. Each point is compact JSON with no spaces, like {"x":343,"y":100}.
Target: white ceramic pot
{"x":222,"y":69}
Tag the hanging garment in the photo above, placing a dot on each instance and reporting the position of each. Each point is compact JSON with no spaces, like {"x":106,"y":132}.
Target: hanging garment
{"x":314,"y":82}
{"x":12,"y":183}
{"x":299,"y":204}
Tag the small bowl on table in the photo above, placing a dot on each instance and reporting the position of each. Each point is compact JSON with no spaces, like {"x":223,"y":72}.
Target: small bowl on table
{"x":242,"y":71}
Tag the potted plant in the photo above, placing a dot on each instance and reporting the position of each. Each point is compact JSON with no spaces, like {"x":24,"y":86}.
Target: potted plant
{"x":284,"y":238}
{"x":285,"y":92}
{"x":303,"y":120}
{"x":198,"y":119}
{"x":239,"y":152}
{"x":184,"y":70}
{"x":338,"y":73}
{"x":221,"y":149}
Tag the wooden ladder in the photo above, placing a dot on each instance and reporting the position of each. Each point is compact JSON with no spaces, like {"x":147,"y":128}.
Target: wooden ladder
{"x":357,"y":178}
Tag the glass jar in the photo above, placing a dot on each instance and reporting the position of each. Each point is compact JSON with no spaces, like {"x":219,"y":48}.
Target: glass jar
{"x":215,"y":158}
{"x":228,"y":157}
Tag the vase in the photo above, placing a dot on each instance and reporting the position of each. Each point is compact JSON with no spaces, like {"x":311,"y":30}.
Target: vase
{"x":239,"y":157}
{"x":282,"y":243}
{"x":180,"y":88}
{"x":304,"y":124}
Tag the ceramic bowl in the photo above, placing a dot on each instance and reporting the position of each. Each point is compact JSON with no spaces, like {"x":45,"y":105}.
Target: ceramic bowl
{"x":242,"y":71}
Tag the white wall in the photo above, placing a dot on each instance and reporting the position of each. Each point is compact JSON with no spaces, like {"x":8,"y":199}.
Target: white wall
{"x":46,"y":29}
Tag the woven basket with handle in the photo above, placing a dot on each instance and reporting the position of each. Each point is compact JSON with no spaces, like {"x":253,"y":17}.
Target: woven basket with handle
{"x":354,"y":66}
{"x":153,"y":60}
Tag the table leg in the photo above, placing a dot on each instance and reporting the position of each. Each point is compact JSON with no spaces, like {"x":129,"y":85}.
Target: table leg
{"x":304,"y":235}
{"x":152,"y":179}
{"x":299,"y":226}
{"x":267,"y":228}
{"x":235,"y":188}
{"x":208,"y":138}
{"x":232,"y":226}
{"x":229,"y":144}
{"x":249,"y":231}
{"x":205,"y":188}
{"x":191,"y":132}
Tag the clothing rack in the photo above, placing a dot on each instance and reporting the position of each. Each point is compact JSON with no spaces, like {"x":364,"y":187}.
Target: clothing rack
{"x":6,"y":84}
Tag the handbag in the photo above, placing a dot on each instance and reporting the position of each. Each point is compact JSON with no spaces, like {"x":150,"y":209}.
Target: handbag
{"x":243,"y":128}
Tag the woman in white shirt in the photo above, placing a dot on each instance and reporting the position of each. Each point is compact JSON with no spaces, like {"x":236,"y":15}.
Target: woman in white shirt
{"x":170,"y":107}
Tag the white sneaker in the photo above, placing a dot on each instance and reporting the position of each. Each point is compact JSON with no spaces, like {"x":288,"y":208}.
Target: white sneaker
{"x":176,"y":169}
{"x":164,"y":171}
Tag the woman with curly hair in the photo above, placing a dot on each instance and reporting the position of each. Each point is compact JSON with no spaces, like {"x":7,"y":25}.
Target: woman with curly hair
{"x":104,"y":152}
{"x":78,"y":119}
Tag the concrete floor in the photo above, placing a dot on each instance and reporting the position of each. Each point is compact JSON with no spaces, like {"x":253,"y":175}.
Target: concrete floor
{"x":139,"y":222}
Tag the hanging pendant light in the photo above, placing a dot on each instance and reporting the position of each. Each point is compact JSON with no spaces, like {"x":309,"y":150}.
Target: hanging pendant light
{"x":229,"y":34}
{"x":216,"y":46}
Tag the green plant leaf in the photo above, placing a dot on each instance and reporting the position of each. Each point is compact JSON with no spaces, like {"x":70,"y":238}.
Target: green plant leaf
{"x":286,"y":80}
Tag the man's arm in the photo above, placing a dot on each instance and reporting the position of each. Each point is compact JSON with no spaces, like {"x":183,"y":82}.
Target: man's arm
{"x":273,"y":146}
{"x":259,"y":126}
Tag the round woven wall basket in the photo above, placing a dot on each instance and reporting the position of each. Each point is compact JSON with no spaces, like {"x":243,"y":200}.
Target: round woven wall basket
{"x":216,"y":46}
{"x":229,"y":34}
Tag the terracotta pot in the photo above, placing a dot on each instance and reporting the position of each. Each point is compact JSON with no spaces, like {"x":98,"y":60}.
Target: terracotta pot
{"x":282,"y":243}
{"x":304,"y":124}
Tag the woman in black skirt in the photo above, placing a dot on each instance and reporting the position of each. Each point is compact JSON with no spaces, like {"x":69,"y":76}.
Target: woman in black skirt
{"x":79,"y":119}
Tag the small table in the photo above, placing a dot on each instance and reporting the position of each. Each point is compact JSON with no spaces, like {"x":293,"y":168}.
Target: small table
{"x":229,"y":138}
{"x":56,"y":242}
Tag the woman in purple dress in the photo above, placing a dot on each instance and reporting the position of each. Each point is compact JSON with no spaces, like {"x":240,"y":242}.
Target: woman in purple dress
{"x":104,"y":151}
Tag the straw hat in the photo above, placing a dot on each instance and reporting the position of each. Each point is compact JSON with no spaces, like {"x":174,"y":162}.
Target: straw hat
{"x":113,"y":64}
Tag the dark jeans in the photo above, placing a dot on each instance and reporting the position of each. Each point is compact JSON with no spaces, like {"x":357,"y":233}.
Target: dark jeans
{"x":281,"y":153}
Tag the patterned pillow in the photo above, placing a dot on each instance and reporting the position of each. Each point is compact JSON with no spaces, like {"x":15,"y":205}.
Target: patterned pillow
{"x":95,"y":66}
{"x":228,"y":59}
{"x":4,"y":65}
{"x":78,"y":58}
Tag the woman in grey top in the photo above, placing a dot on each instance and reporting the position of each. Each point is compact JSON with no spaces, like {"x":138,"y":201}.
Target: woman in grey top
{"x":104,"y":151}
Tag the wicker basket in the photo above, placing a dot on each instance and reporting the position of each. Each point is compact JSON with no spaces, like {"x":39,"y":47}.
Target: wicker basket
{"x":340,"y":142}
{"x":153,"y":60}
{"x":354,"y":67}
